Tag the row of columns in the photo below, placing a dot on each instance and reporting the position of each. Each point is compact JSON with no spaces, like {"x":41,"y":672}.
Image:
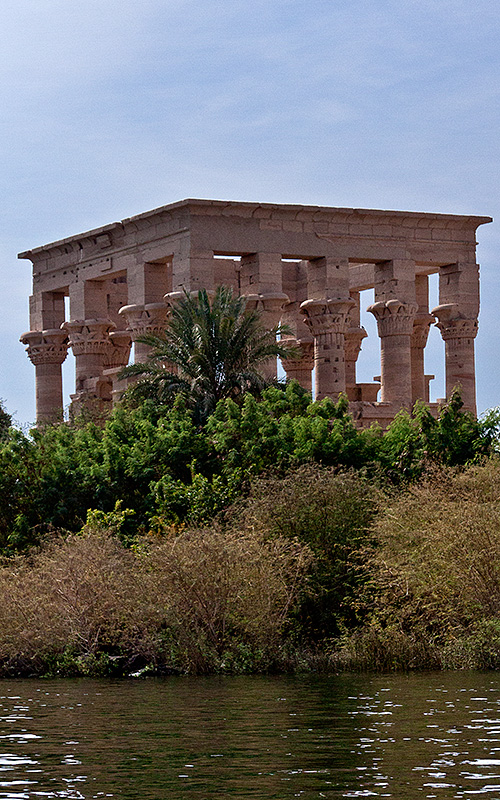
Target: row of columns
{"x":326,"y":328}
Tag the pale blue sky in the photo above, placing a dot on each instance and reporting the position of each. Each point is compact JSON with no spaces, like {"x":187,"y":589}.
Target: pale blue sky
{"x":112,"y":107}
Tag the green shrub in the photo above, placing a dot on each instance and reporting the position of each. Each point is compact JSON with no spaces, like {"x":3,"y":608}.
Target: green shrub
{"x":332,"y":513}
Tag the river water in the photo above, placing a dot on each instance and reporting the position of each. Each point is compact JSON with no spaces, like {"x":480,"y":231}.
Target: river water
{"x":432,"y":735}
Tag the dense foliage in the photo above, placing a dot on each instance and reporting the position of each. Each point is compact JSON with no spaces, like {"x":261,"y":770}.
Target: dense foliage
{"x":273,"y":536}
{"x":168,"y":470}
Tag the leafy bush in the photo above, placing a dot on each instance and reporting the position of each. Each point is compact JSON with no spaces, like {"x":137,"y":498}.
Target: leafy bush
{"x":413,"y":443}
{"x":166,"y":469}
{"x":332,"y":513}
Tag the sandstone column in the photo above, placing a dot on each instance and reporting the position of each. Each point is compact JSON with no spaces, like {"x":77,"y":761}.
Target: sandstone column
{"x":326,"y":313}
{"x":419,"y":336}
{"x":116,"y":357}
{"x":88,"y":331}
{"x":300,"y":369}
{"x":47,"y":350}
{"x":458,"y":334}
{"x":457,"y":315}
{"x":327,"y":321}
{"x":394,"y":309}
{"x":395,"y":326}
{"x":355,"y":334}
{"x":261,"y":276}
{"x":90,"y":342}
{"x":145,"y":313}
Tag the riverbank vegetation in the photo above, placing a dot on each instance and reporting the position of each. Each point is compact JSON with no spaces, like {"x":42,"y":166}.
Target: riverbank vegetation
{"x":273,"y":535}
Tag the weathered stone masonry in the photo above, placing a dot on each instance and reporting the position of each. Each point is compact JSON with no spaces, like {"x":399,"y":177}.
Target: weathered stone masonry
{"x":304,"y":265}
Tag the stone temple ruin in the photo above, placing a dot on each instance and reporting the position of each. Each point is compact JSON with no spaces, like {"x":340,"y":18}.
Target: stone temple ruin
{"x":303,"y":265}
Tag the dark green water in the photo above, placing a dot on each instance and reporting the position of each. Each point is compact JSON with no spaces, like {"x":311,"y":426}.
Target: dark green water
{"x":426,"y":736}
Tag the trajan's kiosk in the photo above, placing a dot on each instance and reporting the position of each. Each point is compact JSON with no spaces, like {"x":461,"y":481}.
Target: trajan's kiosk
{"x":303,"y":265}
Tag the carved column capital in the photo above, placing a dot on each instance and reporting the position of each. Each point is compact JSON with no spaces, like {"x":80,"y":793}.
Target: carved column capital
{"x":271,"y":303}
{"x":353,"y":338}
{"x":46,"y":347}
{"x":270,"y":307}
{"x":452,"y":324}
{"x":89,"y":336}
{"x":145,"y":319}
{"x":326,"y":316}
{"x":304,"y":361}
{"x":420,"y":331}
{"x":394,"y":317}
{"x":118,"y":352}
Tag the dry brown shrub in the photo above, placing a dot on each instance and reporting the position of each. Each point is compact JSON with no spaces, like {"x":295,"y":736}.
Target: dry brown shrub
{"x":82,"y":594}
{"x":439,"y":548}
{"x":178,"y":603}
{"x":221,"y":588}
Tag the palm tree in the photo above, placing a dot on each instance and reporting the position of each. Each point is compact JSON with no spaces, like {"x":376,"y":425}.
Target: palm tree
{"x":209,"y":350}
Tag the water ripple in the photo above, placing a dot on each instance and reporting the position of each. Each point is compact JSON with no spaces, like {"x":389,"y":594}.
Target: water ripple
{"x":429,"y":736}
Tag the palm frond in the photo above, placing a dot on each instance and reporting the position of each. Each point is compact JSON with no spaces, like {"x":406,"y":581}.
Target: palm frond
{"x":216,"y":347}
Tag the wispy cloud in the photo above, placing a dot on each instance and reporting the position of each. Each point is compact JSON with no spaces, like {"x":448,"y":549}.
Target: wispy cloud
{"x":109,"y":107}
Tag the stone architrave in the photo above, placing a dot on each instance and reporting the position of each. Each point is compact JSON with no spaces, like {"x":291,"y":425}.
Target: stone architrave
{"x":327,"y":321}
{"x":458,"y":333}
{"x":47,"y":350}
{"x":144,"y":320}
{"x":395,"y":326}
